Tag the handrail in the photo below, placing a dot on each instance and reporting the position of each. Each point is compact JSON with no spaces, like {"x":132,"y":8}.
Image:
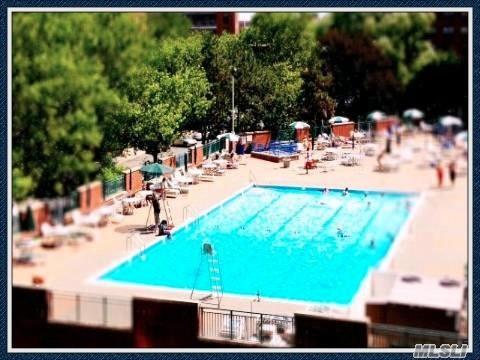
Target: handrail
{"x":186,"y":210}
{"x":251,"y":176}
{"x":133,"y":241}
{"x":226,"y":311}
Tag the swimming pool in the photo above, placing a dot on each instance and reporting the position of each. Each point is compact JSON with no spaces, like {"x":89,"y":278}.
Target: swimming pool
{"x":289,"y":243}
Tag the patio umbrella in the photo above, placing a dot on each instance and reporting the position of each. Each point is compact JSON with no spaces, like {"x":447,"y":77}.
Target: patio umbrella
{"x":376,"y":116}
{"x":414,"y":114}
{"x":156,"y":169}
{"x":229,"y":136}
{"x":338,"y":120}
{"x":449,"y":121}
{"x":462,"y":137}
{"x":299,"y":125}
{"x":15,"y":219}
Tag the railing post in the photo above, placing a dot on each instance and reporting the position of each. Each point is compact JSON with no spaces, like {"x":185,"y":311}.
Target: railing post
{"x":261,"y":328}
{"x":77,"y":307}
{"x":105,"y":309}
{"x":231,"y":324}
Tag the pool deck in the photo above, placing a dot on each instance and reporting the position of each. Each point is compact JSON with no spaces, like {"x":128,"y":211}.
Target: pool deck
{"x":434,"y":241}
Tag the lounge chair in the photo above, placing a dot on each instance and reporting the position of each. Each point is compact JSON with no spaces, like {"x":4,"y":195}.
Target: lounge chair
{"x":113,"y":212}
{"x":56,"y":230}
{"x":241,"y":160}
{"x":388,"y":165}
{"x":183,"y":178}
{"x":206,"y":177}
{"x":92,"y":219}
{"x":26,"y":257}
{"x":172,"y":184}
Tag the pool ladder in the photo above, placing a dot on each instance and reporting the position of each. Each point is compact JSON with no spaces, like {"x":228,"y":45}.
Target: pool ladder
{"x":133,"y":241}
{"x":251,"y":177}
{"x":168,"y":211}
{"x":213,"y":263}
{"x":189,"y":212}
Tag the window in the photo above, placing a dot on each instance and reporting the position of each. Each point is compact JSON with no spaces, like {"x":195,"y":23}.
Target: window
{"x":448,"y":30}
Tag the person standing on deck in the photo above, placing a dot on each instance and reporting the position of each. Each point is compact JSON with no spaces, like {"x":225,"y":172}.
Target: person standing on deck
{"x":388,"y":145}
{"x":156,"y":212}
{"x":452,"y":171}
{"x":439,"y":171}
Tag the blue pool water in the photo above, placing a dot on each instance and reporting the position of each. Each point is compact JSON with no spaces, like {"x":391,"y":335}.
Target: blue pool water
{"x":282,"y":242}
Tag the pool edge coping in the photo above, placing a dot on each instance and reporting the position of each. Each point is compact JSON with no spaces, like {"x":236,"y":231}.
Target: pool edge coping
{"x":384,"y":263}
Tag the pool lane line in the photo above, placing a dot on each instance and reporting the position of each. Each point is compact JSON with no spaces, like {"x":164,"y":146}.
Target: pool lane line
{"x":370,"y":191}
{"x":252,"y":217}
{"x":328,"y":220}
{"x":291,"y":217}
{"x":366,"y":225}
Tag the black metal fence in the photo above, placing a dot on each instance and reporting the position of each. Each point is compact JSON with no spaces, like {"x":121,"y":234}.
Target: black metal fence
{"x":181,"y":160}
{"x":113,"y":186}
{"x":211,"y":147}
{"x":265,"y":329}
{"x":91,"y":310}
{"x":394,"y":336}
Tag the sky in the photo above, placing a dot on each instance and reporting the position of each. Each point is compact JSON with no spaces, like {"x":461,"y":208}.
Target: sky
{"x":247,"y":16}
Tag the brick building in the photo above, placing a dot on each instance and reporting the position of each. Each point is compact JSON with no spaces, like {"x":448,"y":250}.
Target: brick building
{"x":217,"y":22}
{"x":451,"y":32}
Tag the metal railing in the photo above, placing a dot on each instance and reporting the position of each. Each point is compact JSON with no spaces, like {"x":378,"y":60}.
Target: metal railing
{"x":392,"y":336}
{"x":211,"y":147}
{"x":90,"y":310}
{"x":113,"y":186}
{"x":181,"y":160}
{"x":241,"y":326}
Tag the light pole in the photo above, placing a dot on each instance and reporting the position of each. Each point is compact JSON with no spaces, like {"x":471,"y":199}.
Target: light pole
{"x":233,"y":100}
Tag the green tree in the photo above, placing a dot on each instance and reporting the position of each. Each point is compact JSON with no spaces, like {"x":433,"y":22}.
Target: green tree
{"x":164,"y":95}
{"x":440,"y":88}
{"x":316,"y":104}
{"x":165,"y":25}
{"x":363,"y":78}
{"x":403,"y":37}
{"x":281,"y":37}
{"x":59,"y":95}
{"x":266,"y":61}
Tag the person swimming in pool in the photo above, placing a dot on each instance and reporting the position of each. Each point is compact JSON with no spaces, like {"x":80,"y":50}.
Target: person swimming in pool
{"x":408,"y":205}
{"x":372,"y":244}
{"x":341,"y":233}
{"x":345,"y":192}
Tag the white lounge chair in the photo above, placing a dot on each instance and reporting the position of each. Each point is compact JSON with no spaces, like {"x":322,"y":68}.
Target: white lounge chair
{"x":174,"y":184}
{"x":241,"y":160}
{"x":92,"y":219}
{"x":388,"y":165}
{"x":26,"y":257}
{"x":113,"y":212}
{"x":206,"y":177}
{"x":183,"y":178}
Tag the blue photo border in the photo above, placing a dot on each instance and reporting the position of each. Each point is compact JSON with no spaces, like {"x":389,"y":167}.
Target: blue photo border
{"x":475,"y":5}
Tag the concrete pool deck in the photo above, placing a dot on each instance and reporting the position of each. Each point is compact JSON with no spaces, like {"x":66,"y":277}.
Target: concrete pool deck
{"x":435,"y":241}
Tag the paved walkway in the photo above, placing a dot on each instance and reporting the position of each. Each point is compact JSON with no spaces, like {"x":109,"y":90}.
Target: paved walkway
{"x":435,"y":244}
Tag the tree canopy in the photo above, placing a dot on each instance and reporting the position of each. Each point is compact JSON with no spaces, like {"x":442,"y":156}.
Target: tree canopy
{"x":87,"y":85}
{"x":402,"y":37}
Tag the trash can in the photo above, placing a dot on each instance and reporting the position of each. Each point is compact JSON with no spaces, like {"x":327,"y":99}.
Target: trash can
{"x":286,"y":162}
